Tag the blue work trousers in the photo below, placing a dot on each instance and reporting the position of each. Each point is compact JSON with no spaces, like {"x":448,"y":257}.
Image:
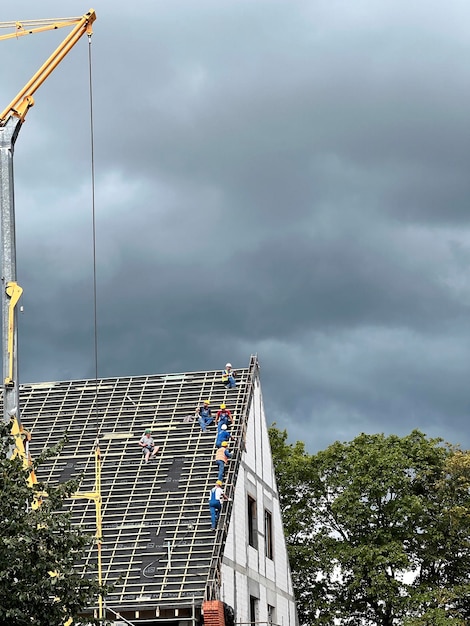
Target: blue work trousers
{"x":215,"y":512}
{"x":223,"y":419}
{"x":204,"y":422}
{"x":221,"y":465}
{"x":231,"y":382}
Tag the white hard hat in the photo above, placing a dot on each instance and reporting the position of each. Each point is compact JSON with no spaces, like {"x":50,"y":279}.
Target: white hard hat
{"x":224,"y":427}
{"x":228,"y":365}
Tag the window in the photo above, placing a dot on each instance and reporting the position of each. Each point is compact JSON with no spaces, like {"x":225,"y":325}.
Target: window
{"x":253,"y":610}
{"x":271,"y":614}
{"x":268,"y":534}
{"x":252,"y":526}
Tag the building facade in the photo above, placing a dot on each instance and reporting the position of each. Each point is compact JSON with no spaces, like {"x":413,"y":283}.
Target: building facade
{"x":256,"y":577}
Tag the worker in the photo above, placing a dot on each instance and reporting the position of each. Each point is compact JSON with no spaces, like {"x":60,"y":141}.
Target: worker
{"x":222,"y":435}
{"x":223,"y":416}
{"x":221,"y":458}
{"x":228,"y":377}
{"x":204,"y":415}
{"x":148,"y":445}
{"x":216,"y":497}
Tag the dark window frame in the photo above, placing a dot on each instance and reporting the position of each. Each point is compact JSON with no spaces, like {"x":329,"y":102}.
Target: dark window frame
{"x":253,"y":610}
{"x":252,"y":522}
{"x":268,"y":535}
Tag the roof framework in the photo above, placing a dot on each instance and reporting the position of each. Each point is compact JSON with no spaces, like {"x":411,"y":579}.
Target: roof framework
{"x":158,"y":549}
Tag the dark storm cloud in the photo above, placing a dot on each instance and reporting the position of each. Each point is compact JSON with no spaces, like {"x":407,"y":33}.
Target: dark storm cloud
{"x":281,"y":178}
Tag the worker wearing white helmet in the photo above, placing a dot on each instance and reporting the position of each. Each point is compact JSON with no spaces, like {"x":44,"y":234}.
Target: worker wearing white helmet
{"x":222,"y":435}
{"x":228,"y":377}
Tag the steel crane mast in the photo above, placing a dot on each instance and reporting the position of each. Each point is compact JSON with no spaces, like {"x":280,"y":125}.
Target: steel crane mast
{"x":11,"y":120}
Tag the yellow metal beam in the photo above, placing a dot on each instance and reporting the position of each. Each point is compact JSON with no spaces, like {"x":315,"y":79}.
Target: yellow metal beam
{"x":13,"y":291}
{"x":24,"y":100}
{"x":37,"y":26}
{"x":95,"y":495}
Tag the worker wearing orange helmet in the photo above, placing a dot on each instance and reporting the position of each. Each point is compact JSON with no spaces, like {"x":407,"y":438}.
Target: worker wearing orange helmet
{"x":222,"y":457}
{"x":204,"y":415}
{"x":223,"y":416}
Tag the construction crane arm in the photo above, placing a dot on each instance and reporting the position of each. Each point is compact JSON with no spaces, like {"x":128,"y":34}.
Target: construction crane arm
{"x":36,"y":26}
{"x":24,"y":100}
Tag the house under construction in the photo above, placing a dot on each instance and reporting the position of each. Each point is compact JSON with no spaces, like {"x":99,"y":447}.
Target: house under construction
{"x":158,"y":550}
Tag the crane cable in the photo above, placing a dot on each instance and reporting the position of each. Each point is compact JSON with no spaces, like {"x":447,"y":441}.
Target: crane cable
{"x":96,"y":494}
{"x":93,"y":207}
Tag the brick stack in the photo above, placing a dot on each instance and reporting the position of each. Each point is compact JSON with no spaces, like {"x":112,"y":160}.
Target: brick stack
{"x":213,"y":613}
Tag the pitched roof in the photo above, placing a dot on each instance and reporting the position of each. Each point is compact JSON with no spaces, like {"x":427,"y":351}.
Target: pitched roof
{"x":157,"y":544}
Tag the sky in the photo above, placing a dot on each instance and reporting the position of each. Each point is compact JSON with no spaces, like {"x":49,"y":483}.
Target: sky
{"x":282,"y":178}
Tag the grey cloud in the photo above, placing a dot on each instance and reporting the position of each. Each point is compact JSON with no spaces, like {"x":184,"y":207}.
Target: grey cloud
{"x":289,"y":179}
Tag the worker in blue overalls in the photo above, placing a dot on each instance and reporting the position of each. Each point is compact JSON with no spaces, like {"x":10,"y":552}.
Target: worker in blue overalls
{"x":222,"y":435}
{"x":215,"y":503}
{"x":223,"y":417}
{"x":204,"y":416}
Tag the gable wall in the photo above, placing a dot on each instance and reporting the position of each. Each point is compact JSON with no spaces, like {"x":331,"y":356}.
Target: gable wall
{"x":246,"y":571}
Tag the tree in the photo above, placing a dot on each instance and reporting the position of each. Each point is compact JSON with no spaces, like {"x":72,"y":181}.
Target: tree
{"x":38,"y":550}
{"x":378,"y":530}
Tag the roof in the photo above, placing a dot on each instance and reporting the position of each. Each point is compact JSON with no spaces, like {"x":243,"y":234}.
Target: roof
{"x":157,"y":544}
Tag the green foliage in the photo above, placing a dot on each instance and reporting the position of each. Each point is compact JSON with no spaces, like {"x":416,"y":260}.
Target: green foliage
{"x":35,"y":544}
{"x":378,"y":530}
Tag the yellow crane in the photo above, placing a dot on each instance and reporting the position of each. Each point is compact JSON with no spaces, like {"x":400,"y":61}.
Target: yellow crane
{"x":11,"y":120}
{"x":19,"y":106}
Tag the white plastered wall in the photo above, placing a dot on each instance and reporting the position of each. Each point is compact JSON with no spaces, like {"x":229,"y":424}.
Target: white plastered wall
{"x":246,"y":571}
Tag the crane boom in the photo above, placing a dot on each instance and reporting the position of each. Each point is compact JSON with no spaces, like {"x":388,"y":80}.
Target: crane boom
{"x":11,"y":120}
{"x":23,"y":101}
{"x":36,"y":26}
